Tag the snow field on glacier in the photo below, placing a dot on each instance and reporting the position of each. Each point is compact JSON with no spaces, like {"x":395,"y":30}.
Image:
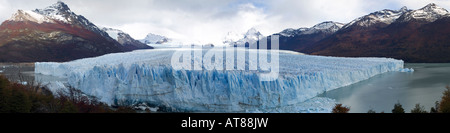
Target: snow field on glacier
{"x":147,"y":76}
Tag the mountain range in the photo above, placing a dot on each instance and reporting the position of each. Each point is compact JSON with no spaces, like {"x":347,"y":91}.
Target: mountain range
{"x":411,"y":35}
{"x":57,"y":34}
{"x":299,"y":39}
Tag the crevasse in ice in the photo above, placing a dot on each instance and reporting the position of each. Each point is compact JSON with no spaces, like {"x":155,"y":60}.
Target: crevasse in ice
{"x":147,"y":76}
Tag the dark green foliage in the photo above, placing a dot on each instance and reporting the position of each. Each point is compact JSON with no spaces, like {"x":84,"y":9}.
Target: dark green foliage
{"x":398,"y":108}
{"x":13,"y":98}
{"x":5,"y":95}
{"x":67,"y":107}
{"x":444,"y":106}
{"x":418,"y":109}
{"x":3,"y":82}
{"x":19,"y":102}
{"x":339,"y":108}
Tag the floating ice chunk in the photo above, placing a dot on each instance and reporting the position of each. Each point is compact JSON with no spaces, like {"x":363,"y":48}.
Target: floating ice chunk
{"x":406,"y":70}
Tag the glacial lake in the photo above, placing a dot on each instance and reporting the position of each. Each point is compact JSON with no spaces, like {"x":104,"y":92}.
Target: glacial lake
{"x":379,"y":93}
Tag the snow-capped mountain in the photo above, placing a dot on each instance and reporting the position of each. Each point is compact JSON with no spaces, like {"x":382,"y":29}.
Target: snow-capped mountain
{"x":384,"y":17}
{"x":125,"y":39}
{"x":22,"y":15}
{"x":290,"y":32}
{"x":429,"y":13}
{"x":252,"y":34}
{"x":412,"y":35}
{"x":251,"y":37}
{"x":232,"y":37}
{"x":155,"y":39}
{"x":54,"y":33}
{"x":328,"y":27}
{"x":61,"y":12}
{"x":298,"y":39}
{"x":113,"y":33}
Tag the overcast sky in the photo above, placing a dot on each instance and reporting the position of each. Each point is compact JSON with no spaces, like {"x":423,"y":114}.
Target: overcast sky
{"x":208,"y":21}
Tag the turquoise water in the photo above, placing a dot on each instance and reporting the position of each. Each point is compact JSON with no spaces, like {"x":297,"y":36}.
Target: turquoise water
{"x":380,"y":93}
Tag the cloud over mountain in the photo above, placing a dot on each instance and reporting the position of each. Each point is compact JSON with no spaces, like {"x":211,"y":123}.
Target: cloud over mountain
{"x":209,"y":21}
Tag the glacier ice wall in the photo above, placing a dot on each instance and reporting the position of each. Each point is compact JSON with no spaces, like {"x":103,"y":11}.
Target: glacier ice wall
{"x":147,"y":76}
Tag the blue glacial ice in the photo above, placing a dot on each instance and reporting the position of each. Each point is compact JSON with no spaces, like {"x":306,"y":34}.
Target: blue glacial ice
{"x":407,"y":70}
{"x":147,"y":76}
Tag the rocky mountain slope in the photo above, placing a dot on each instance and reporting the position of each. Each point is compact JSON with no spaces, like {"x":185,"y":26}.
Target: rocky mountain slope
{"x":125,"y":39}
{"x":299,"y":39}
{"x":412,"y":35}
{"x":54,"y":33}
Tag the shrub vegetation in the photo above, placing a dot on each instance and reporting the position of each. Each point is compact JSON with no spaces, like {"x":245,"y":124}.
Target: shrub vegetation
{"x":18,"y":98}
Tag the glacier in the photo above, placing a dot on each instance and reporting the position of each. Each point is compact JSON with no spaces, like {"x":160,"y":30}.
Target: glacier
{"x":146,"y":76}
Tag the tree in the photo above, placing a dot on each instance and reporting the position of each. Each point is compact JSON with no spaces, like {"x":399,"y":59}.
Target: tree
{"x":19,"y":101}
{"x":444,"y":106}
{"x":398,"y":108}
{"x":5,"y":96}
{"x":339,"y":108}
{"x":435,"y":109}
{"x":18,"y":98}
{"x":3,"y":82}
{"x":418,"y":109}
{"x":68,"y":107}
{"x":371,"y":111}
